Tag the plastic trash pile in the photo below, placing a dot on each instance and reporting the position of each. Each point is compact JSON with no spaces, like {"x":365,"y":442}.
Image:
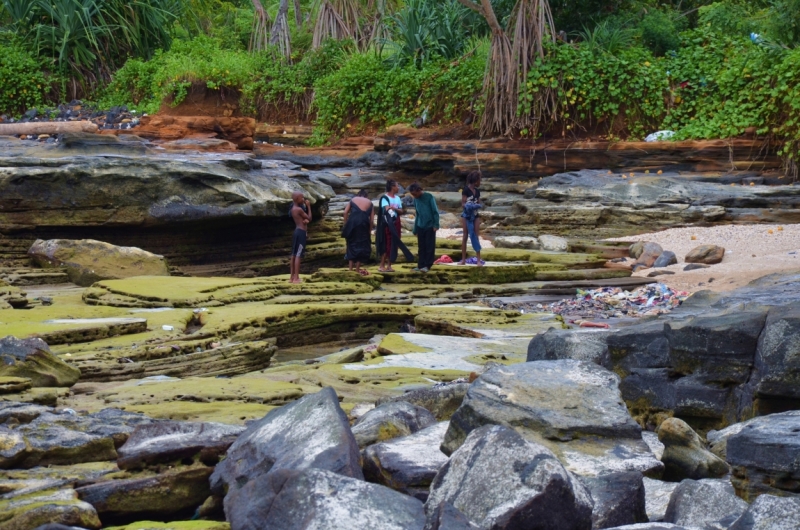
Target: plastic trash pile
{"x":613,"y":302}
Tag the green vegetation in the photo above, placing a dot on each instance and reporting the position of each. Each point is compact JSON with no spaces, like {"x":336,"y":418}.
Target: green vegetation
{"x":616,"y":70}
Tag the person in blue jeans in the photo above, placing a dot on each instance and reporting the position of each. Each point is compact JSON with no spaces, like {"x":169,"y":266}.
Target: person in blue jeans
{"x":470,"y":220}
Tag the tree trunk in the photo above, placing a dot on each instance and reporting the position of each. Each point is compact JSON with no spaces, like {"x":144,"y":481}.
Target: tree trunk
{"x":298,"y":15}
{"x":47,"y":127}
{"x":280,"y":30}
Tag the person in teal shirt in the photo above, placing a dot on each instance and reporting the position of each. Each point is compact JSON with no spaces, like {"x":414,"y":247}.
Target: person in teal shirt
{"x":426,"y":224}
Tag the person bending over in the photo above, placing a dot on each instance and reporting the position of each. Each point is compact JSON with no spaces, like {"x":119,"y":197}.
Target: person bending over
{"x":301,"y":214}
{"x":426,"y":224}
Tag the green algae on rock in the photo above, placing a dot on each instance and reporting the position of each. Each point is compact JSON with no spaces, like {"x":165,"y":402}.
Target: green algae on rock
{"x":32,"y":359}
{"x":49,"y":506}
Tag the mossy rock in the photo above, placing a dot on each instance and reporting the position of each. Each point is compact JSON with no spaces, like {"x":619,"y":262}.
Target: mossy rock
{"x":31,"y":359}
{"x":50,"y":506}
{"x":175,"y":525}
{"x":13,"y":385}
{"x":346,"y":276}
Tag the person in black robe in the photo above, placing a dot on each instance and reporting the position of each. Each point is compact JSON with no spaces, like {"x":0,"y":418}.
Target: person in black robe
{"x":358,"y":225}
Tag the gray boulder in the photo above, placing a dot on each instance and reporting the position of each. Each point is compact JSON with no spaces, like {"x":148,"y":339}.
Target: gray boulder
{"x":777,"y":360}
{"x":390,"y":420}
{"x":580,"y":345}
{"x":765,"y":456}
{"x":685,"y":456}
{"x":666,"y":259}
{"x":718,"y":440}
{"x":553,"y":243}
{"x":407,"y":464}
{"x":499,"y":480}
{"x":448,"y":517}
{"x":652,"y":526}
{"x":769,"y":512}
{"x":525,"y":242}
{"x":619,"y":499}
{"x":312,"y":432}
{"x":172,"y":441}
{"x":21,"y":412}
{"x":650,"y":253}
{"x":656,"y":497}
{"x":644,"y":345}
{"x":574,"y":408}
{"x":31,"y":358}
{"x":442,"y":401}
{"x":709,"y":504}
{"x":319,"y":499}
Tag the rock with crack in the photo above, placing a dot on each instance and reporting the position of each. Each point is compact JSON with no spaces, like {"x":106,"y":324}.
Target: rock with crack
{"x":173,"y":494}
{"x":407,"y":464}
{"x":88,"y":261}
{"x":497,"y":479}
{"x":316,"y":498}
{"x":175,"y":441}
{"x":312,"y":432}
{"x":47,"y":507}
{"x":442,"y":401}
{"x":685,"y":455}
{"x":573,"y":408}
{"x":390,"y":420}
{"x":580,"y":345}
{"x":710,"y":504}
{"x":765,"y":456}
{"x":769,"y":512}
{"x":656,"y":497}
{"x":71,"y":439}
{"x":32,"y":359}
{"x":448,"y":517}
{"x":619,"y":499}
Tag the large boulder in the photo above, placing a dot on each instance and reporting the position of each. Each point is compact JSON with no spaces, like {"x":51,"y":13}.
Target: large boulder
{"x":315,"y":498}
{"x":47,"y":507}
{"x":619,"y":499}
{"x":88,"y":261}
{"x":777,"y":360}
{"x":407,"y":464}
{"x":650,"y":253}
{"x":709,"y":504}
{"x":765,"y":456}
{"x":500,"y":480}
{"x":173,"y":494}
{"x":666,"y":259}
{"x":769,"y":512}
{"x":173,"y":441}
{"x":581,"y":345}
{"x":391,"y":420}
{"x":312,"y":432}
{"x":685,"y":455}
{"x":572,"y":407}
{"x":441,"y":400}
{"x":448,"y":517}
{"x":706,"y":254}
{"x":656,"y":497}
{"x":32,"y":359}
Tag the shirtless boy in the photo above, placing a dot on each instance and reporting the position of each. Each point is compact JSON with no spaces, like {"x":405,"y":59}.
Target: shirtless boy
{"x":301,"y":214}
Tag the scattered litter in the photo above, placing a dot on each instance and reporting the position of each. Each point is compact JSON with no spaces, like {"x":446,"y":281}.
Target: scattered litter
{"x":659,"y":136}
{"x":201,"y":310}
{"x":69,"y":411}
{"x":166,"y":327}
{"x":474,"y":261}
{"x":156,"y":379}
{"x":444,"y":259}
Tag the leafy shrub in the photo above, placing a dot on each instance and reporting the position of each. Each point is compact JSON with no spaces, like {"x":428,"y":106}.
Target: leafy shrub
{"x":728,"y":18}
{"x":22,"y":83}
{"x":660,"y":32}
{"x":607,"y":36}
{"x":425,"y":29}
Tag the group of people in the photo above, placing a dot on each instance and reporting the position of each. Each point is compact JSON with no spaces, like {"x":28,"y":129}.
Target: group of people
{"x":361,"y":218}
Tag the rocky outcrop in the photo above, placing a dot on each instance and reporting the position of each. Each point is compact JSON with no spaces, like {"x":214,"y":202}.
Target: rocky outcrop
{"x":239,"y":131}
{"x":497,"y":479}
{"x":685,"y":455}
{"x":580,"y":345}
{"x":312,"y":432}
{"x":33,"y":360}
{"x":765,"y":456}
{"x":442,"y":400}
{"x":571,"y":407}
{"x":390,"y":420}
{"x":315,"y":498}
{"x":708,"y":504}
{"x":769,"y":512}
{"x":407,"y":464}
{"x":88,"y":261}
{"x":59,"y":506}
{"x":619,"y":499}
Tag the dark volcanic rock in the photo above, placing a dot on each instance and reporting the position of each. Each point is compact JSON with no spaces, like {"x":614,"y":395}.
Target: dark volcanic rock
{"x":574,"y":408}
{"x":170,"y":441}
{"x":580,"y":345}
{"x":390,"y":420}
{"x":685,"y":456}
{"x":777,"y":361}
{"x":32,"y":358}
{"x":765,"y":456}
{"x":769,"y":512}
{"x":708,"y":504}
{"x":500,"y":480}
{"x":665,"y":259}
{"x":441,"y":401}
{"x":21,"y":412}
{"x":312,"y":432}
{"x":314,"y":498}
{"x":407,"y":464}
{"x":619,"y":499}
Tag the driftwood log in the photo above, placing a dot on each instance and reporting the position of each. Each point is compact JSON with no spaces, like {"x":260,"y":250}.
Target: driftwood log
{"x":47,"y":127}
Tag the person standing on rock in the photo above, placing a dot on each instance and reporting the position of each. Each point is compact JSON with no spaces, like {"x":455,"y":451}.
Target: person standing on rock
{"x":470,"y":220}
{"x":426,"y":223}
{"x":357,"y":231}
{"x":387,"y":235}
{"x":301,"y":214}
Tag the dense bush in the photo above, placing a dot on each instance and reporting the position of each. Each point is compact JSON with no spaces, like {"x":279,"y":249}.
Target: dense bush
{"x":22,"y":83}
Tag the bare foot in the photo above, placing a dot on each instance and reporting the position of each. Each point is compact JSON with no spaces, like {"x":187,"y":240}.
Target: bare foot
{"x":462,"y":262}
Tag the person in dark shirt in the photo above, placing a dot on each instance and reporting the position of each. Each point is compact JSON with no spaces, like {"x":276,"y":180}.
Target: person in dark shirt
{"x":426,"y":223}
{"x":470,"y":220}
{"x":358,"y":225}
{"x":301,"y":215}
